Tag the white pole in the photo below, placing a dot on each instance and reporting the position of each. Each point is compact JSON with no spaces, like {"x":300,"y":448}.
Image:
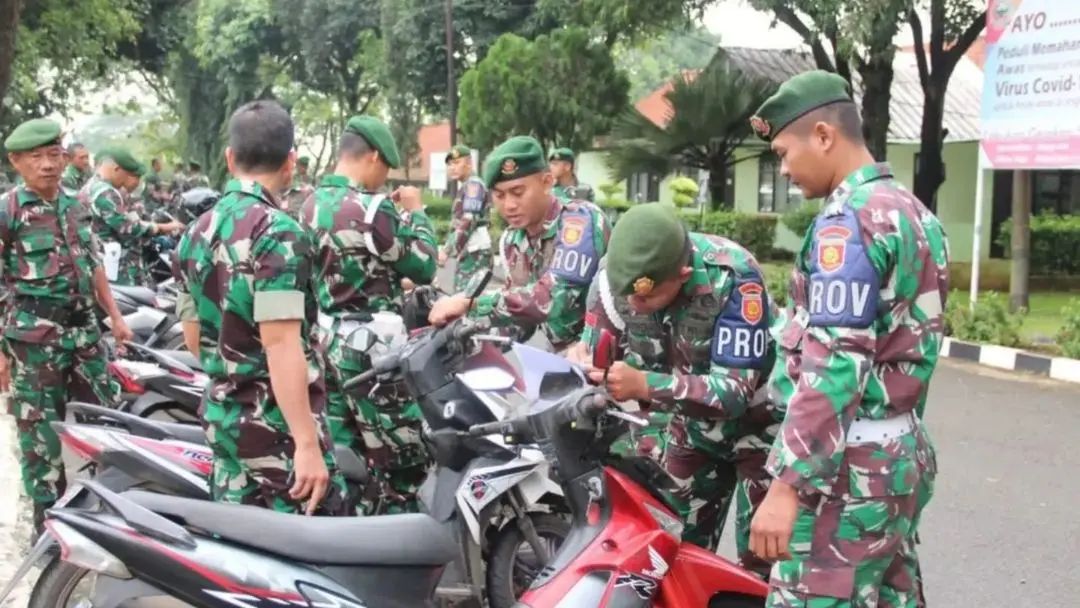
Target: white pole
{"x":976,"y":240}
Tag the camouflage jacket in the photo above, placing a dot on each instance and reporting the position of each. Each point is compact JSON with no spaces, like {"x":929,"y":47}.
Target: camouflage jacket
{"x":244,"y":262}
{"x":117,"y":217}
{"x":579,"y":192}
{"x":73,"y":179}
{"x":199,"y":180}
{"x":859,"y":338}
{"x":364,"y":247}
{"x":471,"y":211}
{"x":295,"y":197}
{"x":548,"y":276}
{"x":708,"y":354}
{"x":48,"y":254}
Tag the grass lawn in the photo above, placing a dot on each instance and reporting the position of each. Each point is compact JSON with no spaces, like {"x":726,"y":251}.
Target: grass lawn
{"x":1044,"y":318}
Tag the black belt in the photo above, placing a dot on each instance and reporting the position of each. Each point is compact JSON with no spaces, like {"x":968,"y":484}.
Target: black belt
{"x":61,"y":313}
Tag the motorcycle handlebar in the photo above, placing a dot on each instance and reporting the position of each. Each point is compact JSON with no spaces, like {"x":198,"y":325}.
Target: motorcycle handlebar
{"x":592,"y":405}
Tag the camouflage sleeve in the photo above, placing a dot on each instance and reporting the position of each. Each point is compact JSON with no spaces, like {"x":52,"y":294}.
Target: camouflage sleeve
{"x":185,"y":305}
{"x":408,"y":243}
{"x":281,"y":265}
{"x":107,"y":207}
{"x":457,"y":218}
{"x":726,"y":390}
{"x":836,"y":362}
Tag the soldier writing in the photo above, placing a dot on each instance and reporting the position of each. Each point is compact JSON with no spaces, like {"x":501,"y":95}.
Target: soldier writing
{"x":52,"y":271}
{"x":567,"y":187}
{"x":469,"y":241}
{"x":852,"y":465}
{"x":550,"y":250}
{"x":244,"y":275}
{"x":364,"y":248}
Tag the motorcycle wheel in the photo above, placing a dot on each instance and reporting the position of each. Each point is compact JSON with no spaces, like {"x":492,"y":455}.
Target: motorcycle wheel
{"x":513,"y":565}
{"x":63,"y":585}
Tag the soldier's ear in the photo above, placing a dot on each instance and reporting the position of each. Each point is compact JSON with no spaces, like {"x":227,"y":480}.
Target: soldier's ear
{"x":229,"y":162}
{"x":685,"y":272}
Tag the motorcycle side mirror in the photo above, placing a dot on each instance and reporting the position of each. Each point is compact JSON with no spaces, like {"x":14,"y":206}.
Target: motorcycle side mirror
{"x":604,"y":352}
{"x":361,"y":340}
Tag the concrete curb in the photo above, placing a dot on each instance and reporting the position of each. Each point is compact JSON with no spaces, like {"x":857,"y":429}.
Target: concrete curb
{"x":1013,"y":359}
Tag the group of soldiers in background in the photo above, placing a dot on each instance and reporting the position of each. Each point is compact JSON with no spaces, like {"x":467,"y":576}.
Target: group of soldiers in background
{"x":806,"y":414}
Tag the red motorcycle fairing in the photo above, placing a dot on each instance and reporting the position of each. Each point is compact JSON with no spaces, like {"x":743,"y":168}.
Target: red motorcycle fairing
{"x":195,"y":458}
{"x":634,"y":562}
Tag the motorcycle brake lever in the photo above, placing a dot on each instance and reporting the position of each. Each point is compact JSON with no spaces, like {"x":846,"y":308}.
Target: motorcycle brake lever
{"x":627,"y":417}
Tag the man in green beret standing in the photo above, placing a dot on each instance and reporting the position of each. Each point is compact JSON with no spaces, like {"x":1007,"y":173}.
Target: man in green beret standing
{"x":364,"y":247}
{"x":50,"y":264}
{"x":469,"y":241}
{"x":858,"y":343}
{"x":691,"y":316}
{"x":550,"y":250}
{"x":117,"y":221}
{"x":567,"y":186}
{"x":77,"y":171}
{"x":243,"y":272}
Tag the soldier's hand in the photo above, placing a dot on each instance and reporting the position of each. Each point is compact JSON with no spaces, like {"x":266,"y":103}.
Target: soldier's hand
{"x":770,"y":531}
{"x":311,"y":477}
{"x":121,"y":332}
{"x":408,"y":198}
{"x":407,"y":284}
{"x":448,"y":309}
{"x":170,"y":227}
{"x":578,"y":354}
{"x":442,"y":258}
{"x":5,"y":374}
{"x":623,"y":382}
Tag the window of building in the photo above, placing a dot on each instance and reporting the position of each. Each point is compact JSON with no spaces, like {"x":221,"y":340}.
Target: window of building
{"x":1055,"y":192}
{"x":776,"y":193}
{"x":643,"y":188}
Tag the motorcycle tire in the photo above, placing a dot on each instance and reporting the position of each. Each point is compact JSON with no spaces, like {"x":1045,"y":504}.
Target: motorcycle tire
{"x":56,"y":584}
{"x":503,"y":566}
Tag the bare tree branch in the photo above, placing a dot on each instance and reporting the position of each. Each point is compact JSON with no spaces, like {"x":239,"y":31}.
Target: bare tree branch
{"x":964,"y":42}
{"x":920,"y":48}
{"x":786,"y":15}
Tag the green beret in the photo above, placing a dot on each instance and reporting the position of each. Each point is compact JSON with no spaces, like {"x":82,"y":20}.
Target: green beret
{"x":123,"y":157}
{"x":378,"y":136}
{"x":33,"y":134}
{"x":646,"y":248}
{"x":458,"y":151}
{"x":303,"y":160}
{"x":796,"y":98}
{"x":562,"y":154}
{"x":514,"y":158}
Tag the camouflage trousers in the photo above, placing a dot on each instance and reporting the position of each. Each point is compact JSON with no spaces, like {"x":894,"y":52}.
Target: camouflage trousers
{"x":132,"y":271}
{"x":384,"y":429}
{"x":44,"y":378}
{"x":470,"y":264}
{"x":857,"y":552}
{"x":712,"y":471}
{"x":253,"y":459}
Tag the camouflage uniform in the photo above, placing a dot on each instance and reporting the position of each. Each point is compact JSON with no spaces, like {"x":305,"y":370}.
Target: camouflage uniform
{"x":548,"y":276}
{"x":299,"y":192}
{"x":179,"y":183}
{"x":363,"y":248}
{"x":114,"y":217}
{"x":199,"y":180}
{"x":707,"y":355}
{"x":48,"y":256}
{"x":579,"y":191}
{"x":469,"y":241}
{"x":73,"y":180}
{"x":235,"y":267}
{"x":859,"y":342}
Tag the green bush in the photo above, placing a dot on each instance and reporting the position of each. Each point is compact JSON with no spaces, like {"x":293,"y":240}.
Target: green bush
{"x":684,"y":191}
{"x":800,"y":220}
{"x":609,"y":191}
{"x":1055,"y":243}
{"x":990,"y":322}
{"x":777,"y":279}
{"x":755,"y":232}
{"x":1068,"y":337}
{"x":437,"y":207}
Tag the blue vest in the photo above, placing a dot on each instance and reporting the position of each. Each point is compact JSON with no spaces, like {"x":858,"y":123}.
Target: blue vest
{"x":741,"y":333}
{"x":844,"y":286}
{"x":575,"y":259}
{"x":472,"y":197}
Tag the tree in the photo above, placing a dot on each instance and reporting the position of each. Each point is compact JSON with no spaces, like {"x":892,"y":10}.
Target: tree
{"x":9,"y":28}
{"x":954,"y":27}
{"x":652,"y":62}
{"x":516,"y":90}
{"x":709,"y":121}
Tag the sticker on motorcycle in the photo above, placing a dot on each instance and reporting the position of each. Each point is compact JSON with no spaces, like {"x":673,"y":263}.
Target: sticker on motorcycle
{"x":643,"y":586}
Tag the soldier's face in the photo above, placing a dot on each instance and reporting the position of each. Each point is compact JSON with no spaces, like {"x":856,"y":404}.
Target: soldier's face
{"x":803,"y":154}
{"x":523,"y":202}
{"x":40,"y":168}
{"x":560,"y":168}
{"x":459,"y":168}
{"x":661,"y":296}
{"x":81,"y":160}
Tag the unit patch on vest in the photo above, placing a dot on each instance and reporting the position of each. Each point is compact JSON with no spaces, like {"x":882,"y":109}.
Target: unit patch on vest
{"x":741,"y":332}
{"x":575,"y":258}
{"x":473,"y":199}
{"x":844,"y":285}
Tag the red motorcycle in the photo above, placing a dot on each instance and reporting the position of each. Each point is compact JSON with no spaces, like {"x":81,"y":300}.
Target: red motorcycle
{"x":624,"y":549}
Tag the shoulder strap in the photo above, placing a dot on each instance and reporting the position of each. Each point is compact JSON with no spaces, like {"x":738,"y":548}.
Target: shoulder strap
{"x":370,"y":212}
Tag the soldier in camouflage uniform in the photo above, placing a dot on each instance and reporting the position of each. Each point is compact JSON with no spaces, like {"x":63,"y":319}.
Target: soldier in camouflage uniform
{"x":363,"y":248}
{"x":300,"y":189}
{"x":244,"y":274}
{"x":117,"y":217}
{"x":50,"y":267}
{"x":469,"y":242}
{"x":550,"y":250}
{"x":78,"y":170}
{"x":691,"y":314}
{"x":195,"y":177}
{"x":859,"y":340}
{"x":567,"y":187}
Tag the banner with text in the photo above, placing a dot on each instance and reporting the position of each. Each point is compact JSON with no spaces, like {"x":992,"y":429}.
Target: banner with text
{"x":1031,"y":94}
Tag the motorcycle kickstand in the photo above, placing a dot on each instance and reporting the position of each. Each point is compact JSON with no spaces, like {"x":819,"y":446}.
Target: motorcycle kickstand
{"x":528,"y":530}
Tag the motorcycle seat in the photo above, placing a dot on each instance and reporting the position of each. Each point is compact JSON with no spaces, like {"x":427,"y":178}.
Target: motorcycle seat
{"x":387,"y":540}
{"x":143,"y":296}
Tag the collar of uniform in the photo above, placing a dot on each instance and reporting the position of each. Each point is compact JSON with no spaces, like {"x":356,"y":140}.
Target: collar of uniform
{"x":251,"y":187}
{"x":27,"y":196}
{"x":550,"y":226}
{"x":699,"y":275}
{"x":862,"y":175}
{"x":335,"y":181}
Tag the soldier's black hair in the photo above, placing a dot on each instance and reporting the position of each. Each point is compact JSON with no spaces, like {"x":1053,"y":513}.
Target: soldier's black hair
{"x":843,"y":115}
{"x":261,"y":136}
{"x":353,"y":145}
